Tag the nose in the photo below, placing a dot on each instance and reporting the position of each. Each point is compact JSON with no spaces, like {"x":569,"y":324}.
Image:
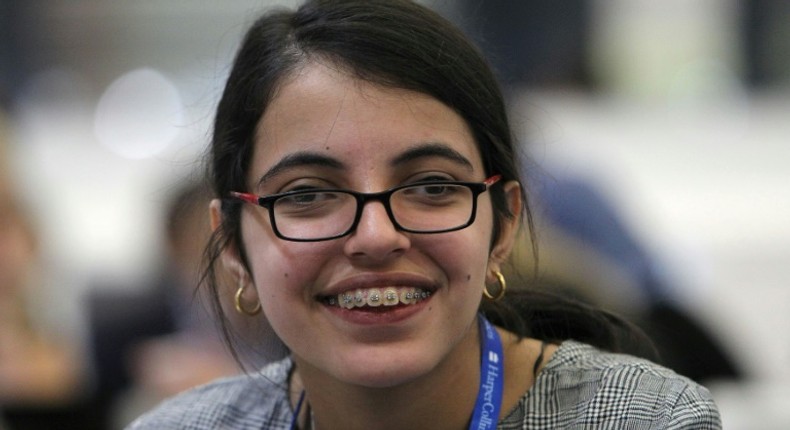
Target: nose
{"x":375,"y":239}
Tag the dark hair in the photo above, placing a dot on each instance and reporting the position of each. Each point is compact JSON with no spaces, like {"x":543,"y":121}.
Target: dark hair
{"x":393,"y":43}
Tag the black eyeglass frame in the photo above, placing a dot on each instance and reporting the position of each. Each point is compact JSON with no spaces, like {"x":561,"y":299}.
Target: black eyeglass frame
{"x":267,"y":202}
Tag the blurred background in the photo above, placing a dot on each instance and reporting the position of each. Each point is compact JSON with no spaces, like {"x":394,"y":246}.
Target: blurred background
{"x":659,"y":133}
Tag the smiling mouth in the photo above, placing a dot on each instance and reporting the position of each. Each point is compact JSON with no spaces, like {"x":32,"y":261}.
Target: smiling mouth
{"x":382,"y":298}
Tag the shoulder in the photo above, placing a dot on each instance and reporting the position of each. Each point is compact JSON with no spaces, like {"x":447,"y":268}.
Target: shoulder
{"x":256,"y":401}
{"x":582,"y":385}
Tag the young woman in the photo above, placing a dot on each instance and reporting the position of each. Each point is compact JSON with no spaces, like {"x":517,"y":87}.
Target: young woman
{"x":367,"y":199}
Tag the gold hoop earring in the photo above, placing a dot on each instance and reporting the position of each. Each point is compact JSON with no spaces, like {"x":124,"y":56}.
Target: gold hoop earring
{"x":502,"y":288}
{"x":239,"y":307}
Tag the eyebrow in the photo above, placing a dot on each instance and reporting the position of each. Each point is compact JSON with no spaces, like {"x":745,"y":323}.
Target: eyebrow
{"x":307,"y":158}
{"x":431,"y":149}
{"x":298,"y":159}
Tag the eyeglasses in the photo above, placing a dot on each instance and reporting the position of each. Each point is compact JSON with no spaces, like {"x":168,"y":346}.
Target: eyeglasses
{"x":324,"y":214}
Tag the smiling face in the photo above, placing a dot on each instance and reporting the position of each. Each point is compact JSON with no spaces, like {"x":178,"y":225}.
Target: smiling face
{"x":325,"y":129}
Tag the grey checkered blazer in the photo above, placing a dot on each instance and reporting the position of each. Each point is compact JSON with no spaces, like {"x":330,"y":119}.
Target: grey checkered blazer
{"x":579,"y":388}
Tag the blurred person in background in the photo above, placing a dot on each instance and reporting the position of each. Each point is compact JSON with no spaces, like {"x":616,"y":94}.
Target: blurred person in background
{"x":588,"y":252}
{"x":156,"y":341}
{"x":41,"y":371}
{"x":587,"y":248}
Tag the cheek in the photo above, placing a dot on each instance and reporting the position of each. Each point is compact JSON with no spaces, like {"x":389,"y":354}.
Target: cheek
{"x":276,"y":266}
{"x":463,"y":257}
{"x":285,"y":273}
{"x":284,"y":276}
{"x":473,"y":255}
{"x":277,"y":269}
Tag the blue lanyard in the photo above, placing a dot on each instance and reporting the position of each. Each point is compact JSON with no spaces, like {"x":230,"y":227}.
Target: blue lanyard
{"x":489,"y":395}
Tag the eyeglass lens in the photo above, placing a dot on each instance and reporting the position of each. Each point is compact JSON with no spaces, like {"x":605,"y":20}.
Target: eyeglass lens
{"x":421,"y":208}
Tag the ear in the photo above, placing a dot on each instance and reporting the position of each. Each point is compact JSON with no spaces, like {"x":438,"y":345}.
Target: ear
{"x":508,"y":228}
{"x":230,"y":258}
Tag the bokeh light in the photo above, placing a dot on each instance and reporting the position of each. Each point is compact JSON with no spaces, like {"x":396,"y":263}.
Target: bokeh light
{"x":139,"y":115}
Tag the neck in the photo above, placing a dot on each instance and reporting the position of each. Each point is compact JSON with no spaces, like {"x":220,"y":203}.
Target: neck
{"x":437,"y":397}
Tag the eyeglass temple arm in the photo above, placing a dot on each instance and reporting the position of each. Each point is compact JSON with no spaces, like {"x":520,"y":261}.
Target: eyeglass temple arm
{"x":492,"y":180}
{"x":249,"y":198}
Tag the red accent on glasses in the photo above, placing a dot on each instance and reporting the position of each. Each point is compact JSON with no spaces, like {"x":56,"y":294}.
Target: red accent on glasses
{"x":492,"y":180}
{"x":249,"y":198}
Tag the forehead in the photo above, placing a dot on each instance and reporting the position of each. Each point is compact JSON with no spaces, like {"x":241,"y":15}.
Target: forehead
{"x":325,"y":109}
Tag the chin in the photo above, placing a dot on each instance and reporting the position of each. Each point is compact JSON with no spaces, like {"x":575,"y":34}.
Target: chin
{"x":384,"y":377}
{"x":385,"y":370}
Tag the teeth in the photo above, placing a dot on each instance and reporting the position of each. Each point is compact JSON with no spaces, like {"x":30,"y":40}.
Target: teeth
{"x":359,"y":299}
{"x":390,"y":297}
{"x":407,"y":296}
{"x":375,"y":297}
{"x":346,"y":300}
